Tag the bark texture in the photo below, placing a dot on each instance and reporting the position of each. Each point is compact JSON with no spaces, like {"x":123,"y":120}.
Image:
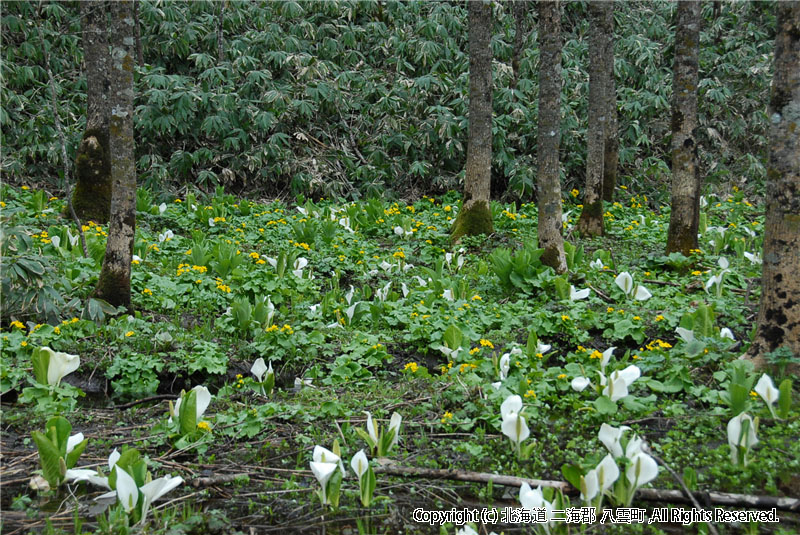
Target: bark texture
{"x":549,"y":137}
{"x":779,"y":314}
{"x":591,"y":220}
{"x":114,"y":284}
{"x":611,"y":145}
{"x":685,"y":216}
{"x":475,"y":216}
{"x":92,"y":195}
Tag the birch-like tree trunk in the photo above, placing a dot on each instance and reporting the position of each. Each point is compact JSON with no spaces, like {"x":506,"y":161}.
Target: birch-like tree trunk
{"x":685,"y":216}
{"x":779,"y":314}
{"x":475,"y":216}
{"x":591,"y":219}
{"x":611,"y":146}
{"x":549,"y":137}
{"x":114,"y":284}
{"x":91,"y":197}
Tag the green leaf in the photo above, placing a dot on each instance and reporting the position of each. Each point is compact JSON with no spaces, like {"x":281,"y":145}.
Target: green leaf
{"x":41,"y":363}
{"x":785,"y":398}
{"x":453,"y":337}
{"x":72,"y":457}
{"x":572,"y":473}
{"x":368,"y":484}
{"x":58,"y":430}
{"x":188,"y":413}
{"x":49,"y":459}
{"x":368,"y":439}
{"x":604,"y":405}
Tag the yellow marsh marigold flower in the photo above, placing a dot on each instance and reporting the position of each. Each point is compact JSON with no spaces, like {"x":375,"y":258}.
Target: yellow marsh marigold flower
{"x":129,"y":334}
{"x":203,"y":426}
{"x":447,"y":416}
{"x":574,"y":192}
{"x":17,"y":324}
{"x":486,"y":343}
{"x":147,"y":291}
{"x":659,"y":318}
{"x":562,"y":375}
{"x":412,"y":366}
{"x":564,"y":317}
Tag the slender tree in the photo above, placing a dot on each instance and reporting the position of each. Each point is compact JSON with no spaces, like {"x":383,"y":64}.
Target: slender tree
{"x":114,"y":284}
{"x":92,"y":195}
{"x":590,"y":222}
{"x":611,"y":145}
{"x":475,"y":216}
{"x":779,"y":314}
{"x":685,"y":216}
{"x":549,"y":139}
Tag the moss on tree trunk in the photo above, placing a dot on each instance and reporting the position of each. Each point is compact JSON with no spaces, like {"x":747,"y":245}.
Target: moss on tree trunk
{"x":685,"y":215}
{"x":475,"y":216}
{"x":591,"y":222}
{"x":92,"y":196}
{"x":473,"y":219}
{"x":549,"y":138}
{"x":779,"y":313}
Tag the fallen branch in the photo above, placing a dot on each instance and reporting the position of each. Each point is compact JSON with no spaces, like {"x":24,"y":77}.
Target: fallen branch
{"x":657,"y":495}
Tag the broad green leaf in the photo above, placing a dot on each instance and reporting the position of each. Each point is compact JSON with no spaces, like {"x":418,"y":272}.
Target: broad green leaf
{"x":41,"y":363}
{"x":188,"y":415}
{"x":49,"y":458}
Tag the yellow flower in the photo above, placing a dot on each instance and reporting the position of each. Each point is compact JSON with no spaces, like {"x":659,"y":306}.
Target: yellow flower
{"x":57,"y":330}
{"x":447,"y":208}
{"x":147,"y":291}
{"x":25,"y":187}
{"x":486,"y":343}
{"x":753,"y":394}
{"x":474,"y":350}
{"x":17,"y":324}
{"x":203,"y":426}
{"x":399,"y":254}
{"x":411,"y":366}
{"x":659,"y":318}
{"x":562,"y":375}
{"x":129,"y":334}
{"x":23,"y":344}
{"x":636,"y":318}
{"x":574,"y":193}
{"x":530,"y":394}
{"x":447,"y":416}
{"x":287,"y":329}
{"x":564,"y":317}
{"x":610,"y":310}
{"x":697,"y":273}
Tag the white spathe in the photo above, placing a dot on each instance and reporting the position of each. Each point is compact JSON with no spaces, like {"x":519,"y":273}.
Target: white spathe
{"x":61,"y":365}
{"x":766,"y":389}
{"x":359,"y":463}
{"x":580,"y":383}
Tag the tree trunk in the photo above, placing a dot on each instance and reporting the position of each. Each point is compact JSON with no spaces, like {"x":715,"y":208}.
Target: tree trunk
{"x":685,"y":216}
{"x":549,"y":138}
{"x":475,"y":216}
{"x":92,"y":196}
{"x":611,"y":146}
{"x":114,"y":284}
{"x":591,"y":220}
{"x":779,"y":314}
